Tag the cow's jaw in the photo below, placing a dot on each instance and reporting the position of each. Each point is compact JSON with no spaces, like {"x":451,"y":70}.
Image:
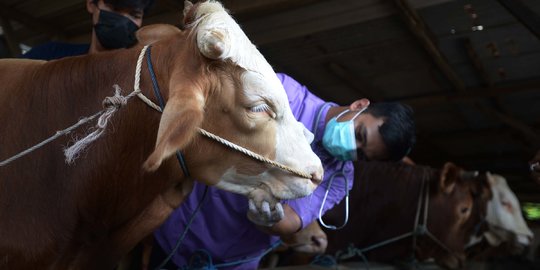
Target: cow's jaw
{"x":276,"y":184}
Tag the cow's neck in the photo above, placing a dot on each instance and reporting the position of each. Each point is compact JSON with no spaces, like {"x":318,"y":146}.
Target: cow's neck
{"x":121,"y":196}
{"x":392,"y":189}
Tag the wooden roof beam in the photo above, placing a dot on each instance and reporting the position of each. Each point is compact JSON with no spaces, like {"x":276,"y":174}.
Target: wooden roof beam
{"x":524,"y":14}
{"x":420,"y":30}
{"x":470,"y":94}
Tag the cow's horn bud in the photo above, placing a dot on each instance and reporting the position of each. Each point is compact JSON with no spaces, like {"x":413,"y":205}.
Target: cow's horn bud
{"x":213,"y":43}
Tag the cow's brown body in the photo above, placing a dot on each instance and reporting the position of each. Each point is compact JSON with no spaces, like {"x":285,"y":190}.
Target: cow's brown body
{"x":89,"y":214}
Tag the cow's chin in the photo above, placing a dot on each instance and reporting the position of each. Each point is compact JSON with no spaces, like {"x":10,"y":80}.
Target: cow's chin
{"x":316,"y":246}
{"x":452,"y":262}
{"x":271,"y":185}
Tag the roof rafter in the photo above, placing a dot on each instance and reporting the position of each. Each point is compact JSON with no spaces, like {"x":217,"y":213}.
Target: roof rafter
{"x":418,"y":27}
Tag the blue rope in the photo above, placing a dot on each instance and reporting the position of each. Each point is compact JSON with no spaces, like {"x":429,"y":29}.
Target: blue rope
{"x":272,"y":247}
{"x":202,"y":260}
{"x":181,"y":238}
{"x":324,"y":260}
{"x":161,"y":102}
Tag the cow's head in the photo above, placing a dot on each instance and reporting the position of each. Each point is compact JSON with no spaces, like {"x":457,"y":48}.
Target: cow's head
{"x":310,"y":240}
{"x":462,"y":196}
{"x":504,"y":217}
{"x":220,"y":82}
{"x":299,"y":248}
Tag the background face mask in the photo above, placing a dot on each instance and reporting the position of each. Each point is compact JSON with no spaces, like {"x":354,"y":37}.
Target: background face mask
{"x":339,"y":138}
{"x":115,"y":31}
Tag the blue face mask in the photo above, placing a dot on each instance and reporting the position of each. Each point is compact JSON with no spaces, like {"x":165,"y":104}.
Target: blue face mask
{"x":339,"y":137}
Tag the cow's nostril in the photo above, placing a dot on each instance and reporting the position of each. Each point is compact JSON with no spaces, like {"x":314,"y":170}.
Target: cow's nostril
{"x":319,"y":242}
{"x":316,"y":178}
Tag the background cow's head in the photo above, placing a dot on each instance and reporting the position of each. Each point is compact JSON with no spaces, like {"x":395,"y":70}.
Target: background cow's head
{"x":457,"y":211}
{"x":504,"y":217}
{"x":220,"y":82}
{"x":299,"y":248}
{"x":310,"y":240}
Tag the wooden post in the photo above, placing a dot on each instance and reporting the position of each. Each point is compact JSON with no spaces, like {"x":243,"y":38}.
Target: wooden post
{"x":13,"y":45}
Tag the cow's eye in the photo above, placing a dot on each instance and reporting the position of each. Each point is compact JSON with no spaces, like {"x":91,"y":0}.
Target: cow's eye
{"x":464,"y":210}
{"x":262,"y":108}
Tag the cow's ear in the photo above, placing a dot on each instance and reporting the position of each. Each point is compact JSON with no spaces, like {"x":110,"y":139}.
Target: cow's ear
{"x":449,"y":175}
{"x":181,"y":118}
{"x":149,"y":34}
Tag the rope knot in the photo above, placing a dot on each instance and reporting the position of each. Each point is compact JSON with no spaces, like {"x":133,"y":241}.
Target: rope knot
{"x":111,"y":105}
{"x":115,"y":101}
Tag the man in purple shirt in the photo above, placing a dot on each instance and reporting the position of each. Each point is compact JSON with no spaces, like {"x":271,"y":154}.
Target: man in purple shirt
{"x":224,"y":233}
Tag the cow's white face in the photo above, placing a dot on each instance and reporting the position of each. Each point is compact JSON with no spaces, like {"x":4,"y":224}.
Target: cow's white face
{"x":234,"y":93}
{"x":267,"y":113}
{"x":258,"y":116}
{"x":504,"y":217}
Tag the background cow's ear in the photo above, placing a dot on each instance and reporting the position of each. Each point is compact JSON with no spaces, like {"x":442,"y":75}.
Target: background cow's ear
{"x":188,"y":12}
{"x":491,"y":180}
{"x":181,"y":118}
{"x":149,"y":34}
{"x":448,"y":179}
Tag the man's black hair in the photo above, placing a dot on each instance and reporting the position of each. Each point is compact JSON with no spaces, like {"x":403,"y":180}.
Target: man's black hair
{"x":398,"y":130}
{"x":130,"y":4}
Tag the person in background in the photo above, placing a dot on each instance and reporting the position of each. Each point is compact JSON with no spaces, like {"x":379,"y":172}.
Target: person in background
{"x":228,"y":232}
{"x":114,"y":23}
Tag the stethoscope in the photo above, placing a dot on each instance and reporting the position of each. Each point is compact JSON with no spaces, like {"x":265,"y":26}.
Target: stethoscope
{"x":338,"y":173}
{"x":341,"y":172}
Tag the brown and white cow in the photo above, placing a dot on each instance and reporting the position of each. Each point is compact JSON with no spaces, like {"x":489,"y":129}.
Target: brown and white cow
{"x":383,"y":205}
{"x":507,"y":232}
{"x":87,"y":215}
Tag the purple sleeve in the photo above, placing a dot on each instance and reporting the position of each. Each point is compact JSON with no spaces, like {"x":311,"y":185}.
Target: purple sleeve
{"x":308,"y":207}
{"x":294,"y":90}
{"x":305,"y":107}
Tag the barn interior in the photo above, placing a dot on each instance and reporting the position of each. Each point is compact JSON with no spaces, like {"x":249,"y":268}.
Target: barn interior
{"x":470,"y":69}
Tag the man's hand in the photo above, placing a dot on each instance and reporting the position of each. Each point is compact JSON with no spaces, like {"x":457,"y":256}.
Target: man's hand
{"x":263,"y":215}
{"x":289,"y":224}
{"x":264,"y":209}
{"x":535,"y":167}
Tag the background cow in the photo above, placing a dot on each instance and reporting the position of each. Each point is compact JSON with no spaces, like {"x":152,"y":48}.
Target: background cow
{"x":508,"y":233}
{"x":383,"y":205}
{"x":87,"y":215}
{"x":503,"y":236}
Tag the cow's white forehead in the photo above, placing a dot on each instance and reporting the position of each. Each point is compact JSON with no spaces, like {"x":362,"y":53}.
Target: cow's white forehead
{"x":258,"y":86}
{"x":242,"y":52}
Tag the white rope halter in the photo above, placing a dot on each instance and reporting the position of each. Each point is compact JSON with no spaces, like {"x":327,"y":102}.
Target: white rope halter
{"x":112,"y":104}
